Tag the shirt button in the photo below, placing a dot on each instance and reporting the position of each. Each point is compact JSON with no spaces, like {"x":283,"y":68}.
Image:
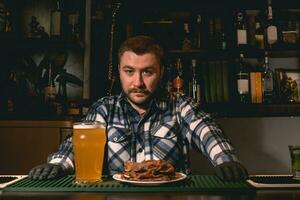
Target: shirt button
{"x":115,"y":139}
{"x":140,"y":150}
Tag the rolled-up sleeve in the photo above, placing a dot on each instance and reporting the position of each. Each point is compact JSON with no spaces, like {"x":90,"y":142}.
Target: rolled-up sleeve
{"x":64,"y":156}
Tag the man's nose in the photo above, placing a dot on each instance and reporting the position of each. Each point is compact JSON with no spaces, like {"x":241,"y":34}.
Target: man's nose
{"x":138,"y":80}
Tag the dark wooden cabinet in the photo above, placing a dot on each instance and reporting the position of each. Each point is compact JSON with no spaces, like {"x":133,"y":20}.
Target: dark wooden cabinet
{"x":25,"y":144}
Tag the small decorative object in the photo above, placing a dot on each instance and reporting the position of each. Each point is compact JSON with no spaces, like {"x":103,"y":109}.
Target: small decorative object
{"x":36,"y":30}
{"x":73,"y":26}
{"x":291,"y":89}
{"x":288,"y":85}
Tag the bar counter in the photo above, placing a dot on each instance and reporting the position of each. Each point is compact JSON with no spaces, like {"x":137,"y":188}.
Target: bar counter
{"x":260,"y":195}
{"x":270,"y":194}
{"x":193,"y":188}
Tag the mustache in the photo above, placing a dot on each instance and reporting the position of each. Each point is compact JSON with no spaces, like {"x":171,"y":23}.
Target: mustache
{"x":137,"y":90}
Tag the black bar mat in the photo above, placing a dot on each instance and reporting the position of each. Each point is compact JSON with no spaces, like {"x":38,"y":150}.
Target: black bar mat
{"x":194,"y":183}
{"x":274,"y":181}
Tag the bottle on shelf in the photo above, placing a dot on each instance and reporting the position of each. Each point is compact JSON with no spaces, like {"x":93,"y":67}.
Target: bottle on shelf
{"x":268,"y":81}
{"x":198,"y":32}
{"x":61,"y":100}
{"x":50,"y":90}
{"x":56,"y":21}
{"x":220,"y":38}
{"x":186,"y":41}
{"x":241,"y":29}
{"x":271,"y":28}
{"x":251,"y":27}
{"x":73,"y":31}
{"x":243,"y":81}
{"x":211,"y":33}
{"x":256,"y":83}
{"x":194,"y":84}
{"x":169,"y":80}
{"x":178,"y":83}
{"x":223,"y":41}
{"x":8,"y":25}
{"x":259,"y":35}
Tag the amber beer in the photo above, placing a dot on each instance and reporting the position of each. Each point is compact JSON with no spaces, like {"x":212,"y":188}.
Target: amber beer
{"x":89,"y":145}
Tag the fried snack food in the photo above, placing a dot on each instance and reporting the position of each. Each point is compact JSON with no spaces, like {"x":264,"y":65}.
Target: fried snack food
{"x":150,"y":170}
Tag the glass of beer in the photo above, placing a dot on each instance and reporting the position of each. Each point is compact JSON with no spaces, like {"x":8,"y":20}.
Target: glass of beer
{"x":295,"y":160}
{"x":89,"y":141}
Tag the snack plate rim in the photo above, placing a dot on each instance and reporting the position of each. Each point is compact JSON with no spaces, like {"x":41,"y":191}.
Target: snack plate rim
{"x":118,"y":177}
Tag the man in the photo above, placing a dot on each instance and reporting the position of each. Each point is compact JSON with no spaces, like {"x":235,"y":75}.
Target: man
{"x":142,"y":124}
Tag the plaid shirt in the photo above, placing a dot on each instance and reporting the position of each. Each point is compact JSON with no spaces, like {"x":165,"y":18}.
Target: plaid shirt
{"x":165,"y":132}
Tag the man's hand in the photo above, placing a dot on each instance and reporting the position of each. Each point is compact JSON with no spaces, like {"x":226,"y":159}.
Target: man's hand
{"x":46,"y":171}
{"x":231,"y":171}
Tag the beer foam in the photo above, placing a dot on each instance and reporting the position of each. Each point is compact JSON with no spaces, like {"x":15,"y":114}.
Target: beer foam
{"x":87,"y":126}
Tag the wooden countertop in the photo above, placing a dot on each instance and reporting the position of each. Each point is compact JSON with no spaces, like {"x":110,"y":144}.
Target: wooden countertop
{"x":36,"y":123}
{"x":259,"y":195}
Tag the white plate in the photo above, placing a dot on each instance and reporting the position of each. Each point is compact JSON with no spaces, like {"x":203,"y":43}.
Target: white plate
{"x":180,"y":176}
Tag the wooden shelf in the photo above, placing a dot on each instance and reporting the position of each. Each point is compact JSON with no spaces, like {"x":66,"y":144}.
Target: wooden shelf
{"x":177,"y":5}
{"x":38,"y":44}
{"x":280,"y":51}
{"x":249,"y":52}
{"x":201,"y":53}
{"x":136,"y":6}
{"x":252,"y":110}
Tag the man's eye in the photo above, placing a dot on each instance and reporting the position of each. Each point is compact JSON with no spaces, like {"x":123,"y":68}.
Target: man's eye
{"x":128,"y":71}
{"x":148,"y":73}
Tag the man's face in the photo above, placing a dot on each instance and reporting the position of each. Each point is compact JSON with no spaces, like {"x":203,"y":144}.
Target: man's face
{"x":140,"y":76}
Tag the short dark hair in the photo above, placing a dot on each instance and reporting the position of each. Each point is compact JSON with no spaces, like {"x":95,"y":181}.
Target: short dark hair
{"x":140,"y":45}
